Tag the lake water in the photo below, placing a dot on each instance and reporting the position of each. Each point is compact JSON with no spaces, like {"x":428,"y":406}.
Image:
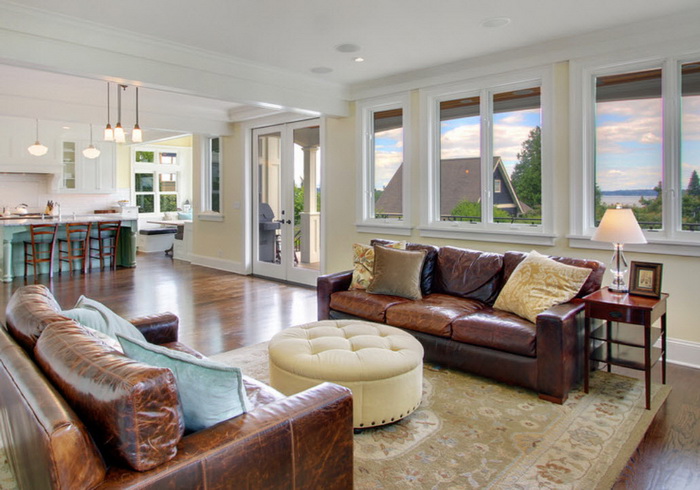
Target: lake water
{"x":624,"y":200}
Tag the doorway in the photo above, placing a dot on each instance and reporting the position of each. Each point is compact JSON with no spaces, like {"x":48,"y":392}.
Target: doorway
{"x":287,"y":202}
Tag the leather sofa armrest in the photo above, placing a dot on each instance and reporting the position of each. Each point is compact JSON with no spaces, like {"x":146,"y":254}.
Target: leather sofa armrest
{"x":160,"y":328}
{"x":327,"y":285}
{"x":302,"y":441}
{"x":559,"y":350}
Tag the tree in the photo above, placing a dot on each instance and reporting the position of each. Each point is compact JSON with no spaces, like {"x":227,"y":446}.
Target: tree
{"x":527,"y":176}
{"x":691,"y":204}
{"x":469,"y":209}
{"x":694,"y":185}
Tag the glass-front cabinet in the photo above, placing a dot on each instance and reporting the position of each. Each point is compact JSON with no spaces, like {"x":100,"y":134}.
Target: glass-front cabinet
{"x":84,"y":175}
{"x":68,"y":180}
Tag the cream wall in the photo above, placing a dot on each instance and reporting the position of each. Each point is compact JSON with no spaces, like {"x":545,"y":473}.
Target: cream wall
{"x":680,"y":274}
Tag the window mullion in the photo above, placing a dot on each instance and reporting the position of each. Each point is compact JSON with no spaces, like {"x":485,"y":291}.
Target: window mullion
{"x":672,"y":186}
{"x":487,"y":157}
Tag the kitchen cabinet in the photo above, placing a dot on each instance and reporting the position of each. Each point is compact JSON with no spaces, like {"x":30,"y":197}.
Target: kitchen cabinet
{"x":87,"y":176}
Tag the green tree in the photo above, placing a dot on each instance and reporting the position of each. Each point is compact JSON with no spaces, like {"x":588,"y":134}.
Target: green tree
{"x":470,"y":209}
{"x":694,"y":185}
{"x":691,"y":204}
{"x":649,"y":214}
{"x":527,"y":176}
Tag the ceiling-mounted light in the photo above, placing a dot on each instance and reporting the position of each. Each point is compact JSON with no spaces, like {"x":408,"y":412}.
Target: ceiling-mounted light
{"x":91,"y":152}
{"x":109,"y":132}
{"x":119,"y":136}
{"x":37,"y":149}
{"x":136,"y":134}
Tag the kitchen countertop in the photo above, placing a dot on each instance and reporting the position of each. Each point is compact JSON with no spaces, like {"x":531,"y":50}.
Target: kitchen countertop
{"x":80,"y":218}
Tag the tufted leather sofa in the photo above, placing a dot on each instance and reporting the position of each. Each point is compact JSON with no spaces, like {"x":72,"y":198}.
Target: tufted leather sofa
{"x":459,"y":328}
{"x":301,"y":441}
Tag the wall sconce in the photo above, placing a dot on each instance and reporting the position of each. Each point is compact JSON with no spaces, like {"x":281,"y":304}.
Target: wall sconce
{"x":37,"y":149}
{"x":91,"y":152}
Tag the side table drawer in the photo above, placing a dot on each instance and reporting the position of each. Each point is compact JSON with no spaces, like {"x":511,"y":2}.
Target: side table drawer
{"x":615,"y":313}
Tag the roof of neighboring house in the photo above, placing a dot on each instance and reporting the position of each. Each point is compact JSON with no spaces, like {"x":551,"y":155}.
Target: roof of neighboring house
{"x":460,"y":180}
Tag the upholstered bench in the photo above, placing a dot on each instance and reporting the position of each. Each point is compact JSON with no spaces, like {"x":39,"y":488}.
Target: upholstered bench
{"x":382,"y":365}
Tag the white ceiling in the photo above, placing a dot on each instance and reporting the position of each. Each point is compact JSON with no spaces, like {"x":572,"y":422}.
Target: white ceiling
{"x":294,"y":36}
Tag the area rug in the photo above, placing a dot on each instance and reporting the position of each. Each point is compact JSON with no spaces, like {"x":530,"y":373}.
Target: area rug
{"x":470,"y":432}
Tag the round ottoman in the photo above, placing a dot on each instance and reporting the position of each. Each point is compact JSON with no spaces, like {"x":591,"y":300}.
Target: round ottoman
{"x":382,"y":365}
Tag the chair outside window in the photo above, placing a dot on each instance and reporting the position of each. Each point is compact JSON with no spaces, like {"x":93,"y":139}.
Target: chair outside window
{"x":74,"y":246}
{"x":39,"y":249}
{"x":104,"y":241}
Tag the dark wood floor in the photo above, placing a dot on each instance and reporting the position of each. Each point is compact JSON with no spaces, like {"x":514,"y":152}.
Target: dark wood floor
{"x":220,"y":311}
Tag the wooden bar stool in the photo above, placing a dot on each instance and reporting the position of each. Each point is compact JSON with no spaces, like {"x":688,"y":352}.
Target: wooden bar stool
{"x":104,"y":241}
{"x":39,"y":249}
{"x":76,"y":246}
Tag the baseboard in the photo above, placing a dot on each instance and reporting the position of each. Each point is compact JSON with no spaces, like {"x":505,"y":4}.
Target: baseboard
{"x":683,"y":352}
{"x":216,"y":263}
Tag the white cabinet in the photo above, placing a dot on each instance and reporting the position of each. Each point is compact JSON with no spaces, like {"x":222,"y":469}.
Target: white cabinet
{"x":87,"y":176}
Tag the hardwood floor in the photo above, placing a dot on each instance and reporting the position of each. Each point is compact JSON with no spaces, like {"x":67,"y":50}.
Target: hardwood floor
{"x":220,"y":311}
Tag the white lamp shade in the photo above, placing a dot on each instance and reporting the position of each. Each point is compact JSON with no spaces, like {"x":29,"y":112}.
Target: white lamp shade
{"x":109,"y":133}
{"x":119,"y":135}
{"x":37,"y":149}
{"x":619,"y":226}
{"x":137,"y":134}
{"x":91,"y":152}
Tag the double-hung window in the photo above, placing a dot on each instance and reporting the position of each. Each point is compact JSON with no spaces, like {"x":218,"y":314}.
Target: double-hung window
{"x":385,"y":174}
{"x":488,"y":175}
{"x":638,"y":146}
{"x":212,"y":177}
{"x":156,"y":176}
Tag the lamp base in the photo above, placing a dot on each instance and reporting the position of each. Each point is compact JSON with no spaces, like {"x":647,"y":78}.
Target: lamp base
{"x":618,"y":268}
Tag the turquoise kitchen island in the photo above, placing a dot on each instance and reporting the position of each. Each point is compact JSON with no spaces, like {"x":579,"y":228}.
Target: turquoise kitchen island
{"x":14,"y":232}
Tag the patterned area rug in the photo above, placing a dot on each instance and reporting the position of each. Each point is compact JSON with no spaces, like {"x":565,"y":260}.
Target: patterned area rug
{"x":470,"y":432}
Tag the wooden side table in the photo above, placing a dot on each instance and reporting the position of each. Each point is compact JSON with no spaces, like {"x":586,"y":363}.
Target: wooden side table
{"x":625,"y":343}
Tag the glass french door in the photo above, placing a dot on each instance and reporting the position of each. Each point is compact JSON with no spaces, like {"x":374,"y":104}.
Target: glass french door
{"x":287,"y":202}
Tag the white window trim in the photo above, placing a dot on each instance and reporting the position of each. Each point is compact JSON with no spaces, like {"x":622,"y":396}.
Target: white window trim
{"x":669,"y":241}
{"x":366,"y":222}
{"x":543,"y":234}
{"x":207,"y":213}
{"x":156,"y":169}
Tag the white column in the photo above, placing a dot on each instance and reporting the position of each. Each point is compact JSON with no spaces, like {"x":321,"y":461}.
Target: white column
{"x":310,"y":217}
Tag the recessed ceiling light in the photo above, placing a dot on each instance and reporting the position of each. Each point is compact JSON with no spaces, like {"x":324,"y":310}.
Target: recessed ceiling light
{"x":321,"y":69}
{"x":493,"y":22}
{"x":359,"y":59}
{"x":66,"y":128}
{"x":347,"y":48}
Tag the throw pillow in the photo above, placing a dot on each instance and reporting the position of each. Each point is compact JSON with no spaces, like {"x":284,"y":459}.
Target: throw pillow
{"x":102,"y":319}
{"x":210,"y":392}
{"x":363,"y":263}
{"x":537,"y":284}
{"x":397,"y":272}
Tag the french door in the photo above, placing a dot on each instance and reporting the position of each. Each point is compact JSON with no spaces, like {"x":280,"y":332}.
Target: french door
{"x":287,"y":178}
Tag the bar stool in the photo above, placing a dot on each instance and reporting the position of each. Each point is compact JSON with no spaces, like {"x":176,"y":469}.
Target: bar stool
{"x":77,"y":236}
{"x":36,"y":250}
{"x":104,"y":241}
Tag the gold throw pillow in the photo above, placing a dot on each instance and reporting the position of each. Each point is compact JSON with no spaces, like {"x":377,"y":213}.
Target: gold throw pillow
{"x":363,"y":264}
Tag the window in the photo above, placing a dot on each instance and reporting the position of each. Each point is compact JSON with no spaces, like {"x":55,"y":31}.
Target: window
{"x":156,"y":175}
{"x":385,"y":164}
{"x":212,"y":177}
{"x":638,"y":145}
{"x":486,"y":158}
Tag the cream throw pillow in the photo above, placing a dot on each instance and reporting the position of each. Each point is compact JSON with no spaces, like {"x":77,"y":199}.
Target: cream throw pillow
{"x":537,"y":284}
{"x":363,"y":263}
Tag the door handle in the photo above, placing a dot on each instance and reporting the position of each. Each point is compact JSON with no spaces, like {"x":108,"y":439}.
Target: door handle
{"x":289,"y":221}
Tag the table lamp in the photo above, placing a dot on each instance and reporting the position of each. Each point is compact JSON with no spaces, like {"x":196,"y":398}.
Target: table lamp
{"x":619,"y":226}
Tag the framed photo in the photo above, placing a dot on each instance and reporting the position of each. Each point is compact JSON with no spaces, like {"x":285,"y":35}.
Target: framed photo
{"x":645,"y":279}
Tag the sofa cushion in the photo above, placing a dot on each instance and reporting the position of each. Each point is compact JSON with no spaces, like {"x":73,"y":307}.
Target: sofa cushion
{"x":363,"y":264}
{"x":538,"y":283}
{"x":209,"y":392}
{"x":497,"y":329}
{"x":512,"y":259}
{"x":468,"y":273}
{"x":397,"y":272}
{"x":363,"y":304}
{"x":428,"y":272}
{"x":30,"y":309}
{"x":131,"y":409}
{"x":99,"y":317}
{"x":433,"y":314}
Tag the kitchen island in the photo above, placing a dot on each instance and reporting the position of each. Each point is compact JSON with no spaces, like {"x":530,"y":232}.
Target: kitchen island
{"x":14,"y":232}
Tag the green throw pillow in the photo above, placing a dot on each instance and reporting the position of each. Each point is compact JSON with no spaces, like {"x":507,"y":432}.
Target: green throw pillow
{"x":210,"y":392}
{"x":97,"y":316}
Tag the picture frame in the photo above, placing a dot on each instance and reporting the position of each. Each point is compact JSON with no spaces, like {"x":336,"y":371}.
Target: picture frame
{"x":645,"y":279}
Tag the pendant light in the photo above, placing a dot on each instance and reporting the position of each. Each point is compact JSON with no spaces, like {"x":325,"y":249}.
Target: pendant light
{"x":136,"y":134}
{"x":37,"y":149}
{"x":119,"y":136}
{"x":91,"y":152}
{"x":109,"y":132}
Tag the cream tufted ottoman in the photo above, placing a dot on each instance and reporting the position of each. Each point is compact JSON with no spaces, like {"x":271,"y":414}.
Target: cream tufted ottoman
{"x":382,"y":365}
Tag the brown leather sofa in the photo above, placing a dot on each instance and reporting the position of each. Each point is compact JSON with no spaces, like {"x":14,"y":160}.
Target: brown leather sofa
{"x":459,"y":328}
{"x":301,"y":441}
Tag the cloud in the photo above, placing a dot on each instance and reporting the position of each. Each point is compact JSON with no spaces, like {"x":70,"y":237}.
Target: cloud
{"x":386,"y":163}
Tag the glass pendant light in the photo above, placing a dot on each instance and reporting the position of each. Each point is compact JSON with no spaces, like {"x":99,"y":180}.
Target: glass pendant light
{"x":37,"y":149}
{"x":91,"y":152}
{"x":136,"y":134}
{"x":119,"y":136}
{"x":109,"y":132}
